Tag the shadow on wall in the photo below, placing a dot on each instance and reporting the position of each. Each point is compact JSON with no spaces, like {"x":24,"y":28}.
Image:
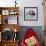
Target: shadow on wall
{"x":37,"y":29}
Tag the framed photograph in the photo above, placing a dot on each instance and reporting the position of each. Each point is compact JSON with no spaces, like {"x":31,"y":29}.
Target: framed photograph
{"x":13,"y":12}
{"x":30,"y":13}
{"x":5,"y":12}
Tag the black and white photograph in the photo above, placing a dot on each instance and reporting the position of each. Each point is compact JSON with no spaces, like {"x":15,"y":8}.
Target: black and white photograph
{"x":30,"y":13}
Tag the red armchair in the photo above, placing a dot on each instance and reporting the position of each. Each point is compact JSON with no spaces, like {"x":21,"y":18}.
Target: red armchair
{"x":29,"y":34}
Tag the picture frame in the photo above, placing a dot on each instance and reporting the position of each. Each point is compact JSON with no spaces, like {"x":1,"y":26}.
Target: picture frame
{"x":13,"y":12}
{"x":5,"y":12}
{"x":30,"y":13}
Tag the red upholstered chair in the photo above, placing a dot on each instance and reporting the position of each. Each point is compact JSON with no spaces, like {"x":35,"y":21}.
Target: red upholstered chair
{"x":29,"y":33}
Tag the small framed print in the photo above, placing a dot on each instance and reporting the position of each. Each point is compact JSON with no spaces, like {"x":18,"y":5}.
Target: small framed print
{"x":30,"y":13}
{"x":5,"y":12}
{"x":13,"y":12}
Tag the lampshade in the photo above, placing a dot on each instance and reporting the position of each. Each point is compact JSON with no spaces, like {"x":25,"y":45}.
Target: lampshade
{"x":15,"y":30}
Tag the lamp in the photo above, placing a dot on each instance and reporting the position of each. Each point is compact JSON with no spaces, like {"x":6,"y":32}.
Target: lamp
{"x":15,"y":3}
{"x":15,"y":30}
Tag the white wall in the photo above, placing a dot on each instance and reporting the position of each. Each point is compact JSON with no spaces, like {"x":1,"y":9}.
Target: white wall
{"x":26,"y":3}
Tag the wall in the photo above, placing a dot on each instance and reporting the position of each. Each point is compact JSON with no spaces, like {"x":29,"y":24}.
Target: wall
{"x":26,"y":3}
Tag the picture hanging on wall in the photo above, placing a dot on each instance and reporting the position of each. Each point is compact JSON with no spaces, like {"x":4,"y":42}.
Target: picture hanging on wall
{"x":30,"y":13}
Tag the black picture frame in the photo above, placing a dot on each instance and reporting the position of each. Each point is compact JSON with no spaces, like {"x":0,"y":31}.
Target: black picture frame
{"x":30,"y":13}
